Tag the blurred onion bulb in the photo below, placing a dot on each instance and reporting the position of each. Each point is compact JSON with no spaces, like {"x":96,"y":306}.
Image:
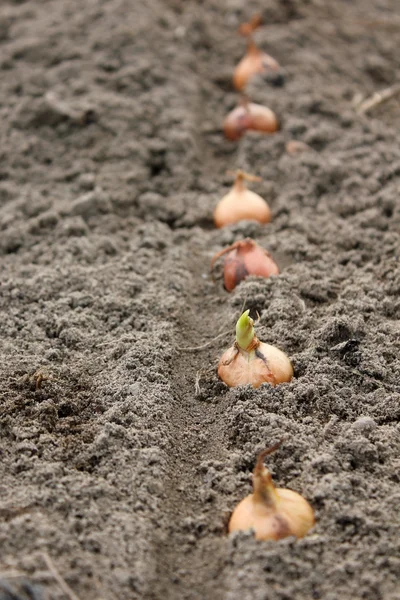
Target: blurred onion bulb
{"x":244,"y":258}
{"x":253,"y":63}
{"x":272,"y":513}
{"x":249,"y":116}
{"x":241,"y":204}
{"x":252,"y":361}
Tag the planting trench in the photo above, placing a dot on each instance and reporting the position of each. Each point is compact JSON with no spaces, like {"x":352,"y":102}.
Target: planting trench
{"x":124,"y":463}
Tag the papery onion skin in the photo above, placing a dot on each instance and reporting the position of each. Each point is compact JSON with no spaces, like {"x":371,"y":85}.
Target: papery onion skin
{"x":266,"y":364}
{"x":262,"y":119}
{"x":245,"y":258}
{"x":277,"y":523}
{"x":272,"y":513}
{"x":250,"y":361}
{"x":241,"y":204}
{"x":236,"y":123}
{"x":253,"y":63}
{"x":250,"y":116}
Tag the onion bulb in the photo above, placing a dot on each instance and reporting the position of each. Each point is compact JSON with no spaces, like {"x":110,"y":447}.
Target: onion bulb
{"x":254,"y":62}
{"x":249,"y":116}
{"x":242,"y":259}
{"x":252,"y":361}
{"x":241,"y":204}
{"x":273,"y":513}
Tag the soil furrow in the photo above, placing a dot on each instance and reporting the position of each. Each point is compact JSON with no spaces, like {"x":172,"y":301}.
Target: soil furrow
{"x":198,"y":431}
{"x":111,"y":460}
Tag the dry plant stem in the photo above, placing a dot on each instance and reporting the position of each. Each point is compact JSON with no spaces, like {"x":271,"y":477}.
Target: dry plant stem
{"x":232,"y":358}
{"x":243,"y":305}
{"x":61,"y":582}
{"x":11,"y":574}
{"x":261,"y":457}
{"x":239,"y":175}
{"x":197,"y":389}
{"x":378,"y":98}
{"x":263,"y":488}
{"x":218,"y":255}
{"x":246,"y":29}
{"x":203,"y":346}
{"x":387,"y":23}
{"x":200,"y":372}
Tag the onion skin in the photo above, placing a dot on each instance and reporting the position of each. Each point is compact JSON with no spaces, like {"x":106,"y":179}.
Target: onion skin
{"x":250,"y":361}
{"x":292,"y":517}
{"x":272,"y":513}
{"x":241,"y":204}
{"x":236,"y":123}
{"x":245,"y":258}
{"x":249,"y":116}
{"x":261,"y":364}
{"x":253,"y":63}
{"x":262,"y":119}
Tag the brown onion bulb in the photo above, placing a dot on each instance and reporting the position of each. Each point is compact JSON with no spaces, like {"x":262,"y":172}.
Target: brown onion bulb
{"x":254,"y":62}
{"x":249,"y":116}
{"x":272,"y":513}
{"x":252,"y":361}
{"x":241,"y":204}
{"x":244,"y":258}
{"x":237,"y":122}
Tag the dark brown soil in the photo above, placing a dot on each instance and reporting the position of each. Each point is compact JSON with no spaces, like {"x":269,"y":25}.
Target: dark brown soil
{"x":113,"y":461}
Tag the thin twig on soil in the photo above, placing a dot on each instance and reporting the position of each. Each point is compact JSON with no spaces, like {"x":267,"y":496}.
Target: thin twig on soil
{"x":203,"y":346}
{"x":197,"y":390}
{"x":61,"y":582}
{"x":378,"y":98}
{"x":11,"y":574}
{"x":200,"y":372}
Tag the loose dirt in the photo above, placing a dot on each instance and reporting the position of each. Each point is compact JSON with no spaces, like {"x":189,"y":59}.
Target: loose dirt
{"x":121,"y":454}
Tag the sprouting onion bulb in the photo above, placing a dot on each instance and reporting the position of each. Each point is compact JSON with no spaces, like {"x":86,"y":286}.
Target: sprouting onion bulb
{"x":241,"y":204}
{"x":244,"y":258}
{"x":254,"y":62}
{"x":252,"y":361}
{"x":272,"y":513}
{"x":249,"y":116}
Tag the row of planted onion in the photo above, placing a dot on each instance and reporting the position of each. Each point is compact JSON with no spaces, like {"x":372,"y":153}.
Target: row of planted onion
{"x":272,"y":513}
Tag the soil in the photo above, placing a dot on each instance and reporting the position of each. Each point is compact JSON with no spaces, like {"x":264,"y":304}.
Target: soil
{"x":122,"y":454}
